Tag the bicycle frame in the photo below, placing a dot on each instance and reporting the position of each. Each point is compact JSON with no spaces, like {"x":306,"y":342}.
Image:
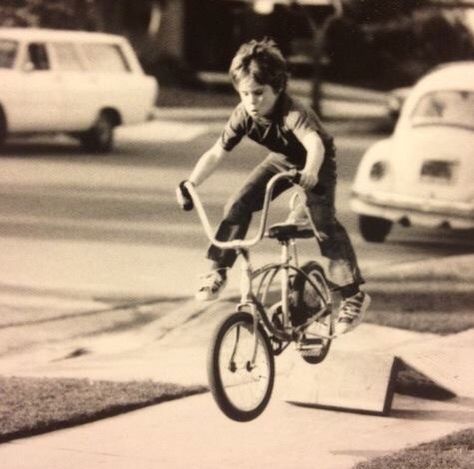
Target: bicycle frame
{"x":248,"y":297}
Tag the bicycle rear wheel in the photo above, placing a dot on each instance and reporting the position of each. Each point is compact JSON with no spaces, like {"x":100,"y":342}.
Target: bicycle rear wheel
{"x":311,"y":295}
{"x":241,"y":368}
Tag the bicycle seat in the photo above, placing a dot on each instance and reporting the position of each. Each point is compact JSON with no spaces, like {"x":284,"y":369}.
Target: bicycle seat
{"x":287,"y":231}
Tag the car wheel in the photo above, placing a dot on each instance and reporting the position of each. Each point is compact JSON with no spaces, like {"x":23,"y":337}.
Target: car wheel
{"x":100,"y":137}
{"x":374,"y":229}
{"x":3,"y":126}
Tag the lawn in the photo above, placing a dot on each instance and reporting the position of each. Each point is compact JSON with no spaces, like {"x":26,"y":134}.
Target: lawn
{"x":29,"y":406}
{"x":429,"y":310}
{"x":455,"y":451}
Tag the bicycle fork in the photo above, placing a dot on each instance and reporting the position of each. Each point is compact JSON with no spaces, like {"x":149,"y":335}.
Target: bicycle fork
{"x":246,"y":300}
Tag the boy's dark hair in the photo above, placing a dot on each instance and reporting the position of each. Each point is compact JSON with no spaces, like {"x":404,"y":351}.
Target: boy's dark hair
{"x":262,"y":61}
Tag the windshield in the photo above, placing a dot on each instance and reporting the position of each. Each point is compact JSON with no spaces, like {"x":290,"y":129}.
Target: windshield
{"x":8,"y":51}
{"x":452,"y":107}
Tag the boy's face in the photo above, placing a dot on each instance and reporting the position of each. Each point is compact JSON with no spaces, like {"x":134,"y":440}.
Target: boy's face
{"x":258,"y":100}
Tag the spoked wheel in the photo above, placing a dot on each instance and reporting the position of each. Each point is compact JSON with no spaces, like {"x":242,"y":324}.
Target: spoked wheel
{"x":311,"y":295}
{"x":241,"y":367}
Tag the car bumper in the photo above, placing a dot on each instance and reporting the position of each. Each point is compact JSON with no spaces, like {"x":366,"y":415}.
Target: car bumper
{"x":415,"y":211}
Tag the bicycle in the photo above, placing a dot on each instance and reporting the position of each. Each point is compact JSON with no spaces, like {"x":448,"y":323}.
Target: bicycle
{"x":241,"y":367}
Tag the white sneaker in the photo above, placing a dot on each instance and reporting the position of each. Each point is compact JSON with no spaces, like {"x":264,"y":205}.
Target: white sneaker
{"x":351,"y":312}
{"x":212,"y":285}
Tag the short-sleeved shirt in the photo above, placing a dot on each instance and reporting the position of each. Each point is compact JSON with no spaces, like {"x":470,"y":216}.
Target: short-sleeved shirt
{"x":282,"y":132}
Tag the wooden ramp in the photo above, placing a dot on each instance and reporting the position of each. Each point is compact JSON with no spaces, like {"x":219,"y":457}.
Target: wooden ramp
{"x":360,"y":373}
{"x":353,"y":381}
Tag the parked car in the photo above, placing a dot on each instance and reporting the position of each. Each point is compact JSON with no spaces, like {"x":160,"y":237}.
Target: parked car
{"x":424,"y":173}
{"x":81,"y":83}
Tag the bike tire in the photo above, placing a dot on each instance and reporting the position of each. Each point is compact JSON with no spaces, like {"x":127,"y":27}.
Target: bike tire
{"x":225,"y":392}
{"x":308,"y":295}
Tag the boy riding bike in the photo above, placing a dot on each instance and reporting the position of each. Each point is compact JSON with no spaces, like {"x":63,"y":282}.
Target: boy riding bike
{"x":296,"y":138}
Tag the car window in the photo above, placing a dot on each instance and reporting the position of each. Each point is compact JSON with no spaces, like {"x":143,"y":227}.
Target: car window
{"x":37,"y":56}
{"x":450,"y":107}
{"x":66,"y":56}
{"x":105,"y":57}
{"x":8,"y":51}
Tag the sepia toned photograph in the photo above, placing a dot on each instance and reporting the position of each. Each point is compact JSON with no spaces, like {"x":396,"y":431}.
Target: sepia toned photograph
{"x":237,"y":234}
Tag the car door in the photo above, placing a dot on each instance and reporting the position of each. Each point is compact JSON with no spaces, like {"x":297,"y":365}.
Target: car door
{"x":39,"y":95}
{"x":78,"y":87}
{"x":121,"y":86}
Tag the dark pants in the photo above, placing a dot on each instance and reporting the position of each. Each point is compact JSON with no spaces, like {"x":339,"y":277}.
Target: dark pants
{"x":335,"y":244}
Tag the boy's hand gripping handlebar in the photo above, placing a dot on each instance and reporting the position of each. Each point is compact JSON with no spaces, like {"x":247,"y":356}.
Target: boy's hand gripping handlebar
{"x":189,"y":198}
{"x":185,"y":200}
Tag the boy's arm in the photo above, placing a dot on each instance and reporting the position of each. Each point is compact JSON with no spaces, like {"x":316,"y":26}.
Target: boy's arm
{"x":208,"y":163}
{"x":314,"y":159}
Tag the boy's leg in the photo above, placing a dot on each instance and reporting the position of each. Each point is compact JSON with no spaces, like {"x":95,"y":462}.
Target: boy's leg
{"x":344,"y":270}
{"x":237,"y":217}
{"x":239,"y":209}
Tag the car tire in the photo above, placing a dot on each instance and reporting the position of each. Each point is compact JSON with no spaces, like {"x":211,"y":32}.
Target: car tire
{"x":374,"y":229}
{"x":100,"y":137}
{"x":3,"y":127}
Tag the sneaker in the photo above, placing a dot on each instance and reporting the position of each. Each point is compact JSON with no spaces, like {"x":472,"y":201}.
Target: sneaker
{"x":351,"y":312}
{"x":211,"y":286}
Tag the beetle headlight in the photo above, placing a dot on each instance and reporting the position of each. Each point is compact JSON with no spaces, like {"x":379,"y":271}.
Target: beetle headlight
{"x":378,"y":170}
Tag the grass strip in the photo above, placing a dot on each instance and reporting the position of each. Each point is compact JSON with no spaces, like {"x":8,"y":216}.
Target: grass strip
{"x":30,"y":406}
{"x":455,"y":451}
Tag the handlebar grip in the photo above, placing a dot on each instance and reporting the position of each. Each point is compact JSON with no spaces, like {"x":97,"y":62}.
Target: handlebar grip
{"x":184,"y":198}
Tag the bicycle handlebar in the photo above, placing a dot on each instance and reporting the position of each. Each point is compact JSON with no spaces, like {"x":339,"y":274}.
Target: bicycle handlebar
{"x":292,"y":175}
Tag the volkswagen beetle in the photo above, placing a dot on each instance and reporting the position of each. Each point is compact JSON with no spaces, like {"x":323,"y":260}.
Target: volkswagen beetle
{"x":423,"y":174}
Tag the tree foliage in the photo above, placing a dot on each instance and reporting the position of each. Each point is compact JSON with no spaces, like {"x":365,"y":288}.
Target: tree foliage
{"x":60,"y":14}
{"x":375,"y":11}
{"x":388,"y":44}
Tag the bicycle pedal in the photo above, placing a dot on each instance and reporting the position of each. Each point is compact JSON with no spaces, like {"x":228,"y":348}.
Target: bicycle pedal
{"x":313,"y":351}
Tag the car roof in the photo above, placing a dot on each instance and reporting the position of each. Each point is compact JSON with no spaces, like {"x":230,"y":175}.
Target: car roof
{"x":40,"y":34}
{"x":455,"y":75}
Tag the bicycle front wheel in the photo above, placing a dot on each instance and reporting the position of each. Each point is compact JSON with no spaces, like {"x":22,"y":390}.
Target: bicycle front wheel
{"x":241,"y":367}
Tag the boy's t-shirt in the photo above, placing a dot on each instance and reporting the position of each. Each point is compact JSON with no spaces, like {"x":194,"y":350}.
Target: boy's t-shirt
{"x":282,"y":132}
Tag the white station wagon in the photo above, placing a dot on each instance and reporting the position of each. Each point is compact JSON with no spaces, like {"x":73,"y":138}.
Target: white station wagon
{"x":424,"y":173}
{"x":76,"y":82}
